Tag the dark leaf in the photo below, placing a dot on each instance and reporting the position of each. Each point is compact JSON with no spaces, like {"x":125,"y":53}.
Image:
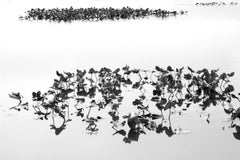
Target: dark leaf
{"x":190,"y":69}
{"x":229,"y":89}
{"x":133,"y":135}
{"x":133,"y":122}
{"x":121,"y":132}
{"x":91,"y":71}
{"x":169,"y":68}
{"x":157,"y":92}
{"x":169,"y":131}
{"x":125,"y":68}
{"x":80,"y":100}
{"x":142,"y":97}
{"x":231,"y":74}
{"x":188,"y":76}
{"x":180,"y":102}
{"x":188,"y":105}
{"x":116,"y":70}
{"x":223,"y":76}
{"x":137,"y":102}
{"x":157,"y":68}
{"x":163,"y":101}
{"x":159,"y":128}
{"x":236,"y":114}
{"x":228,"y":111}
{"x":169,"y":105}
{"x":234,"y":96}
{"x":127,"y":140}
{"x":155,"y":99}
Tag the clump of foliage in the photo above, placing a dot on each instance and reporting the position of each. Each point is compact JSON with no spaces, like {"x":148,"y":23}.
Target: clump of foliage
{"x":94,"y":14}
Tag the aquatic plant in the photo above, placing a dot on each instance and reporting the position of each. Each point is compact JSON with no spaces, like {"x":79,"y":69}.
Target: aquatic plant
{"x":167,"y":90}
{"x":95,"y":14}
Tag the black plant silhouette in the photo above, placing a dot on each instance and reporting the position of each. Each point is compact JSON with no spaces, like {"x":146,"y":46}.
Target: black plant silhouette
{"x":167,"y":90}
{"x":94,"y":14}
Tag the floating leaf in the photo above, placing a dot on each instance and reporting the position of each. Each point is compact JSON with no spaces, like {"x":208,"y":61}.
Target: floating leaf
{"x":188,"y":105}
{"x":190,"y":69}
{"x":14,"y":95}
{"x":234,"y":96}
{"x":180,"y":102}
{"x":163,"y":101}
{"x":228,"y":111}
{"x":169,"y":132}
{"x":223,"y":76}
{"x":155,"y":99}
{"x":125,"y":68}
{"x":169,"y":105}
{"x":231,"y":74}
{"x":133,"y":135}
{"x":127,"y":116}
{"x":92,"y":71}
{"x":236,"y":114}
{"x":229,"y":89}
{"x":137,"y":102}
{"x":157,"y":92}
{"x":157,"y":68}
{"x":127,"y":140}
{"x":80,"y":100}
{"x":159,"y":129}
{"x":133,"y":122}
{"x":121,"y":132}
{"x":169,"y":68}
{"x":188,"y":76}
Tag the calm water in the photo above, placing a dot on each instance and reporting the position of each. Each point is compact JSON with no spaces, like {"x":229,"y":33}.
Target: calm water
{"x":31,"y":52}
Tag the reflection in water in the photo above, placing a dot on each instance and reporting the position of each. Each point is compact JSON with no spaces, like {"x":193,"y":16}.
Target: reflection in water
{"x":95,"y":14}
{"x":165,"y":90}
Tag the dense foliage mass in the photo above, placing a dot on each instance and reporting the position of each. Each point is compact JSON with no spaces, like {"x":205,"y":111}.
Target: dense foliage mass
{"x":95,"y":14}
{"x":160,"y":90}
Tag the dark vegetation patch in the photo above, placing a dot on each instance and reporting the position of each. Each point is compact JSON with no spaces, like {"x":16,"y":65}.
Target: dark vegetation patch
{"x":95,"y":14}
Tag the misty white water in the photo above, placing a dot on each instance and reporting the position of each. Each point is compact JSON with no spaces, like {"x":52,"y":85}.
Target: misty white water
{"x":31,"y":52}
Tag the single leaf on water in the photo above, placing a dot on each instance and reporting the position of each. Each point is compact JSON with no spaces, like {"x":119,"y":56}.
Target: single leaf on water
{"x":190,"y":69}
{"x":229,"y":89}
{"x":169,"y":105}
{"x":122,"y":132}
{"x":133,"y":135}
{"x":231,"y":74}
{"x":155,"y":99}
{"x":188,"y":76}
{"x":169,"y":68}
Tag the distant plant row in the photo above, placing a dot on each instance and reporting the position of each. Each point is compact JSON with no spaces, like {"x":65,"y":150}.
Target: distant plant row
{"x":95,"y":14}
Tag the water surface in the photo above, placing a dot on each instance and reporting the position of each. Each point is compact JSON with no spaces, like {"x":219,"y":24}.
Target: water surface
{"x":31,"y":52}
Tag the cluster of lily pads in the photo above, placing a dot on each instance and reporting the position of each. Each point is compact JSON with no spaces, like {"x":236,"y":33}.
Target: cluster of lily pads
{"x":162,"y":92}
{"x":94,"y":14}
{"x":216,"y":4}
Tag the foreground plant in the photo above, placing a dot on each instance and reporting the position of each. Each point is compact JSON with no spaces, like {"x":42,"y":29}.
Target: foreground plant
{"x":167,"y":90}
